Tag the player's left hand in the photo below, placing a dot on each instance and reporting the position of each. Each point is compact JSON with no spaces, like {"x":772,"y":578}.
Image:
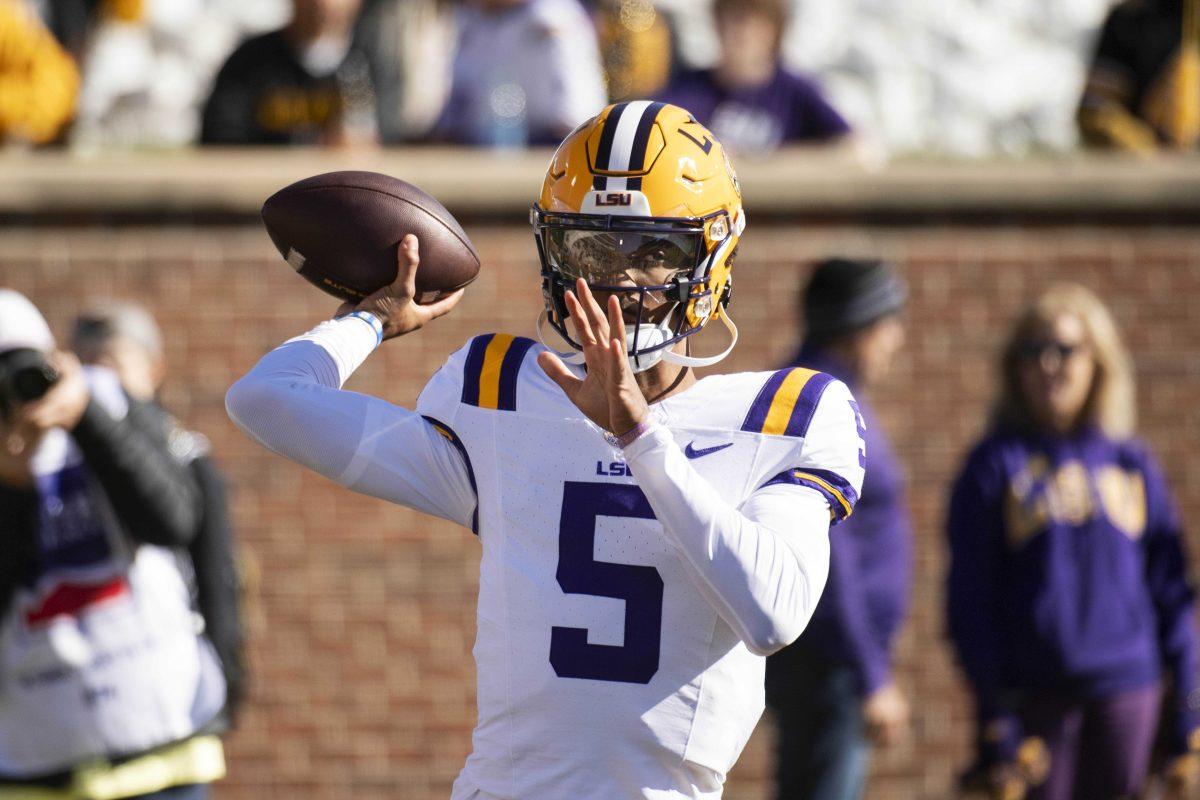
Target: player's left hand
{"x":608,"y":395}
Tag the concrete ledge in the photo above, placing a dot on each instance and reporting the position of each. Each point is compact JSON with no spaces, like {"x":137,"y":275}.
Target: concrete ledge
{"x":478,"y":184}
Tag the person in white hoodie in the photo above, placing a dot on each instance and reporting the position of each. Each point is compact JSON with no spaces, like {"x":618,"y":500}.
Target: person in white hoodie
{"x":107,"y":688}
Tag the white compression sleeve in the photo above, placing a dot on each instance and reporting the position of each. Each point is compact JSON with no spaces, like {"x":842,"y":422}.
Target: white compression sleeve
{"x":763,"y":566}
{"x":292,"y":403}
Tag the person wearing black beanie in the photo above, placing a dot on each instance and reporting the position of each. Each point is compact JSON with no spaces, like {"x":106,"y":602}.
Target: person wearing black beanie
{"x":832,"y":691}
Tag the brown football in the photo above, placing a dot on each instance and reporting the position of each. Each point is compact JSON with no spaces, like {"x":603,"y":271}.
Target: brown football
{"x":340,"y":232}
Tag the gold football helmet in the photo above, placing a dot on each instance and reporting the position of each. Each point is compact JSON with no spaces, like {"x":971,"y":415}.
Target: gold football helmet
{"x":641,"y":201}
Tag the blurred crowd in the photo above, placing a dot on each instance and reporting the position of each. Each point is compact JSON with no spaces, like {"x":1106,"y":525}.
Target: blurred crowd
{"x":956,"y":77}
{"x":1067,"y":597}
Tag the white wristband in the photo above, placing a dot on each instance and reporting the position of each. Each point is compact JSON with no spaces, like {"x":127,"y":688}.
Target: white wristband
{"x":373,"y":321}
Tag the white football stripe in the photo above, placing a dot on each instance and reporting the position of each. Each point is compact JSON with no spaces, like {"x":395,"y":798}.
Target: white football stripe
{"x":622,"y":146}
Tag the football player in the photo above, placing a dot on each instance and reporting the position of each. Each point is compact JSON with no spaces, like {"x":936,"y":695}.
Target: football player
{"x":648,"y":537}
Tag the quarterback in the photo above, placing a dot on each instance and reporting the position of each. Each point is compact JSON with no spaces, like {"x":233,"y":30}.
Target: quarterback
{"x":648,"y":536}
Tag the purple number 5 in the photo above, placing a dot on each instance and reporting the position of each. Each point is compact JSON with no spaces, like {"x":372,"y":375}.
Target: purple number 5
{"x":862,"y":434}
{"x":579,"y":572}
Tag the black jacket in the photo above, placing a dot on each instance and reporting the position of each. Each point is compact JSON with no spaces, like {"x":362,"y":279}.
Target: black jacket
{"x":151,"y":495}
{"x":216,"y":582}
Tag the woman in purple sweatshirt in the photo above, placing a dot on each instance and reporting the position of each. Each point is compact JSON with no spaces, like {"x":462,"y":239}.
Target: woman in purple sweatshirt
{"x":1067,"y":597}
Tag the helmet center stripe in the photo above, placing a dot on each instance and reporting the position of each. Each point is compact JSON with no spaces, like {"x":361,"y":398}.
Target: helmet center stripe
{"x":641,"y":139}
{"x":626,"y":134}
{"x":604,"y":151}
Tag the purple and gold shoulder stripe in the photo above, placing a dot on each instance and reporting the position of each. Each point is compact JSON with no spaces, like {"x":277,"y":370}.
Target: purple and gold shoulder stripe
{"x":490,"y":374}
{"x":835,"y":489}
{"x":786,"y":403}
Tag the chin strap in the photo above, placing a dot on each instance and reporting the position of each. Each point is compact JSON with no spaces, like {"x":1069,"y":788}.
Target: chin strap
{"x":571,"y":356}
{"x":644,"y":362}
{"x":706,"y":361}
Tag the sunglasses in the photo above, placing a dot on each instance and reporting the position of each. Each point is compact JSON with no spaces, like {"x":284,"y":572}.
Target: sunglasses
{"x":1036,"y":351}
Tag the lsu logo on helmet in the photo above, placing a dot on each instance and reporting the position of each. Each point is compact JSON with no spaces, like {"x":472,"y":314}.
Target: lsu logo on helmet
{"x":642,"y":188}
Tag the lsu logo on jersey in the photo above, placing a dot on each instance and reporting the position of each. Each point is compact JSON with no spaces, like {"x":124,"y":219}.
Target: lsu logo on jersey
{"x":613,"y":469}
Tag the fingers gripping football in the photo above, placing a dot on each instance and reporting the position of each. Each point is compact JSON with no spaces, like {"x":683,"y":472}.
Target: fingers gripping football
{"x":395,"y":305}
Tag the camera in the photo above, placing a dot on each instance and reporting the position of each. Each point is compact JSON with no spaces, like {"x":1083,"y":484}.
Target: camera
{"x":25,"y":375}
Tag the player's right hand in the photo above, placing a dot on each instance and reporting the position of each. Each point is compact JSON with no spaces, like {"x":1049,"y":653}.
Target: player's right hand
{"x":395,"y":306}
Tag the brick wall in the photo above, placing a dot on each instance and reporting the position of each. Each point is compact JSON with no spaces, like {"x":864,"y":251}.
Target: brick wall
{"x":361,"y":612}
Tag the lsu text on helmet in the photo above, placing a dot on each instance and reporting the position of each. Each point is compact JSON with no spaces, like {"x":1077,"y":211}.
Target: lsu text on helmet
{"x":641,"y":201}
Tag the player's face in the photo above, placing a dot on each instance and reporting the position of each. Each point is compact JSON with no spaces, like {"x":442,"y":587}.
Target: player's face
{"x":1056,"y":371}
{"x":618,"y":262}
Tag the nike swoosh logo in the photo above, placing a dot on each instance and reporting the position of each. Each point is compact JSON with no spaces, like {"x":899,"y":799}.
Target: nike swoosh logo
{"x":692,"y":452}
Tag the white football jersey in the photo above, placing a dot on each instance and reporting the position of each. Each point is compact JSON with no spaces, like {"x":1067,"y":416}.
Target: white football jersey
{"x":627,"y":596}
{"x":601,"y":665}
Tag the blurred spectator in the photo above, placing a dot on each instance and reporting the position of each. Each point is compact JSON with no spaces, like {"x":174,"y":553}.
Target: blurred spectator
{"x":149,"y":65}
{"x":749,"y":100}
{"x":38,"y":80}
{"x":410,"y":46}
{"x":525,"y":72}
{"x":303,"y":84}
{"x":1067,"y":595}
{"x":1143,"y":89}
{"x":68,"y":20}
{"x":959,"y":77}
{"x":636,"y":47}
{"x":125,"y":338}
{"x":106,"y":687}
{"x":833,"y":691}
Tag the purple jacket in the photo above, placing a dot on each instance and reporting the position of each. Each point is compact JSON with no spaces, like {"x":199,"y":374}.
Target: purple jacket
{"x":1067,"y":574}
{"x":789,"y":108}
{"x":866,"y":595}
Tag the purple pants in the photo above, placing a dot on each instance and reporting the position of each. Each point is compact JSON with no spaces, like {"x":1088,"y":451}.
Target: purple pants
{"x":1099,"y":747}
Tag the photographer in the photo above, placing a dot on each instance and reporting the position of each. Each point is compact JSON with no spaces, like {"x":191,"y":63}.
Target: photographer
{"x":106,"y":686}
{"x":125,"y":338}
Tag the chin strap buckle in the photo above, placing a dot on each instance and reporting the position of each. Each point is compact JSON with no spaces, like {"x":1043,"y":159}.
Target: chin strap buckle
{"x":683,"y":288}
